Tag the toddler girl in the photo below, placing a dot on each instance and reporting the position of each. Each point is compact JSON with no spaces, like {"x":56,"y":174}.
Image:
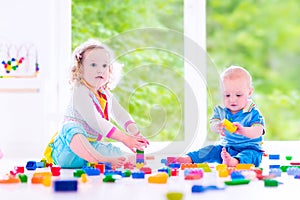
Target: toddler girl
{"x":87,"y":117}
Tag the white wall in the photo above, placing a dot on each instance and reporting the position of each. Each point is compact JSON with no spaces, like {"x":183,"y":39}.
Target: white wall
{"x":28,"y":119}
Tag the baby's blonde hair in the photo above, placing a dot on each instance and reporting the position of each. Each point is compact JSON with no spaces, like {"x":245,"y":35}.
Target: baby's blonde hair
{"x":234,"y":72}
{"x":115,"y":68}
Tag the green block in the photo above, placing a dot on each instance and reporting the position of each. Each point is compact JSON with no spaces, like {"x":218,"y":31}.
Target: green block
{"x":108,"y":179}
{"x":270,"y":183}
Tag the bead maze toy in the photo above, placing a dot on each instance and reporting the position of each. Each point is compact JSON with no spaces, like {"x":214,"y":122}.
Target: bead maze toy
{"x":18,"y":61}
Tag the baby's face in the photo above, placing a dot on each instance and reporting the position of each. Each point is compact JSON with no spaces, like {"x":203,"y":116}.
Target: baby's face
{"x":236,"y":93}
{"x":95,"y":67}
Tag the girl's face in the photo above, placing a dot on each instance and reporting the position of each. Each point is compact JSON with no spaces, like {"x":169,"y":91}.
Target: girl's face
{"x":236,"y":93}
{"x":95,"y":63}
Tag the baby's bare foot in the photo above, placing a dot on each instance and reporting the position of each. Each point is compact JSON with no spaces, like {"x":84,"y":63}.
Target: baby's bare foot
{"x":228,"y":160}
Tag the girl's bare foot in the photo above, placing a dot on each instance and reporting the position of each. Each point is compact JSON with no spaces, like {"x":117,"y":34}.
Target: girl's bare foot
{"x":184,"y":159}
{"x":227,"y":159}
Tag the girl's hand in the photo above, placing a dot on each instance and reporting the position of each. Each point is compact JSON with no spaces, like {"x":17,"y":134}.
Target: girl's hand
{"x":135,"y":142}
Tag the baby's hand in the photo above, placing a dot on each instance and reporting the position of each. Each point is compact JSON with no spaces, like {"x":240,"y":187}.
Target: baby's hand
{"x":240,"y":129}
{"x":217,"y":127}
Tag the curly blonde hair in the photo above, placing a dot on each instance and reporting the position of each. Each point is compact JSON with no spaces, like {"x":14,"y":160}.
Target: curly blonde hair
{"x":115,"y":68}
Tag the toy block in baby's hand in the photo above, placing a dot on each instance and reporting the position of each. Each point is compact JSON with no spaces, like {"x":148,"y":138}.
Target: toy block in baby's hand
{"x":229,"y":126}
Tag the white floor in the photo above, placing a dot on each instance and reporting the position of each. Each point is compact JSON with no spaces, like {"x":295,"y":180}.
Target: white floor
{"x":128,"y":188}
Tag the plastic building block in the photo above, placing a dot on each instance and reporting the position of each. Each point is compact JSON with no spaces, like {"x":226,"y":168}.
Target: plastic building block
{"x":160,"y":177}
{"x":221,"y":166}
{"x":188,"y":165}
{"x":101,"y":167}
{"x":19,"y":169}
{"x":46,"y":181}
{"x":139,"y":165}
{"x":9,"y":179}
{"x":243,"y":166}
{"x":65,"y":185}
{"x":91,"y":171}
{"x":107,"y":165}
{"x":84,"y":178}
{"x":139,"y":151}
{"x":274,"y":156}
{"x":292,"y":171}
{"x":108,"y":179}
{"x":275,"y":171}
{"x":112,"y":172}
{"x":171,"y":160}
{"x":78,"y":173}
{"x":166,"y":170}
{"x":270,"y":183}
{"x":23,"y":178}
{"x":126,"y":173}
{"x":40,"y":164}
{"x":138,"y":175}
{"x":201,"y":188}
{"x":274,"y":166}
{"x":149,"y":157}
{"x":92,"y":164}
{"x":237,"y":175}
{"x":288,"y":157}
{"x":55,"y":170}
{"x":283,"y":168}
{"x":237,"y":182}
{"x":163,"y":161}
{"x":174,"y":172}
{"x":204,"y":166}
{"x":174,"y":165}
{"x":31,"y":165}
{"x":174,"y":196}
{"x":147,"y":170}
{"x":37,"y":180}
{"x":229,"y":126}
{"x":223,"y":172}
{"x":295,"y":163}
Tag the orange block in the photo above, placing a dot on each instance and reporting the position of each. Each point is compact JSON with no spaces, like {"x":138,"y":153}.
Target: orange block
{"x":244,"y":166}
{"x":10,"y":179}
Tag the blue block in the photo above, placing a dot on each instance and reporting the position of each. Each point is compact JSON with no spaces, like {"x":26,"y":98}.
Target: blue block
{"x":31,"y":165}
{"x":112,"y":172}
{"x":91,"y":171}
{"x":163,"y":161}
{"x":137,"y":175}
{"x":274,"y":166}
{"x":236,"y":175}
{"x":274,"y":156}
{"x":175,"y":165}
{"x":140,"y":160}
{"x":40,"y":164}
{"x":166,"y":170}
{"x":65,"y":185}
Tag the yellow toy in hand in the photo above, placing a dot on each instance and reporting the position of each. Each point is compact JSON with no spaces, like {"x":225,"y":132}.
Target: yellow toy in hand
{"x":229,"y":126}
